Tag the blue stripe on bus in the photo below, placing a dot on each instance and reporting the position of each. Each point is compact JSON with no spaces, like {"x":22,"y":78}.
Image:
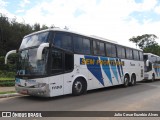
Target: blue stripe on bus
{"x":119,"y":71}
{"x":114,"y":69}
{"x":106,"y":69}
{"x":95,"y":69}
{"x":121,"y":67}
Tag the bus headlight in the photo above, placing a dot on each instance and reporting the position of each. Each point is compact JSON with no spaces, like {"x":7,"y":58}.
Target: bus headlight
{"x":40,"y":85}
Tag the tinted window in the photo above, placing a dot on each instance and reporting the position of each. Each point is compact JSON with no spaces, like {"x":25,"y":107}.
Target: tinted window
{"x":57,"y":65}
{"x":68,"y":62}
{"x":135,"y":55}
{"x":63,"y":41}
{"x":101,"y":49}
{"x":86,"y":46}
{"x":110,"y":50}
{"x":82,"y":45}
{"x":78,"y":44}
{"x":158,"y":60}
{"x":145,"y":57}
{"x":98,"y":48}
{"x":95,"y":47}
{"x":113,"y":51}
{"x":141,"y":56}
{"x":34,"y":40}
{"x":129,"y":54}
{"x":121,"y":52}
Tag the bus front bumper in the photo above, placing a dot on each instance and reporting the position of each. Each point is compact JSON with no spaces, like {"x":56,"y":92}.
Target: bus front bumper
{"x":42,"y":92}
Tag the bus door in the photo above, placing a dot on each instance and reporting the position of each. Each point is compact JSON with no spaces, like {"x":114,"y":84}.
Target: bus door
{"x":62,"y":67}
{"x":56,"y":77}
{"x":68,"y":72}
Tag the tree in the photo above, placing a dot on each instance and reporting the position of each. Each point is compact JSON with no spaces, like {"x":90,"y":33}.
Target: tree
{"x":36,"y":27}
{"x":147,"y":43}
{"x":144,"y":41}
{"x":44,"y":27}
{"x":155,"y":49}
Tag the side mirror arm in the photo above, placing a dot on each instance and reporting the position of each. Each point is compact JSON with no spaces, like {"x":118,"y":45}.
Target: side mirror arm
{"x":147,"y":63}
{"x":10,"y":52}
{"x":40,"y":50}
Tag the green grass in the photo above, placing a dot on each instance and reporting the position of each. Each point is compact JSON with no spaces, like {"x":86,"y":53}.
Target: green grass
{"x":7,"y":78}
{"x":7,"y":92}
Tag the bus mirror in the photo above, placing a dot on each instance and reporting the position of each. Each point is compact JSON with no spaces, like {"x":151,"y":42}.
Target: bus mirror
{"x":40,"y":50}
{"x":147,"y":63}
{"x":10,"y":52}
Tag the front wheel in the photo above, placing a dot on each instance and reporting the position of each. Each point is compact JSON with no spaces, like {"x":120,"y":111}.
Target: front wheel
{"x":126,"y":81}
{"x":79,"y":87}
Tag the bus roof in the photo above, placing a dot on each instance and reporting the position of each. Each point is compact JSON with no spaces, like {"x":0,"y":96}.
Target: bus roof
{"x":91,"y":36}
{"x":151,"y":54}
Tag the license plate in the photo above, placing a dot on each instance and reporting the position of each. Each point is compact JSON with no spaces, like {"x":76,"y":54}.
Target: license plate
{"x":24,"y":92}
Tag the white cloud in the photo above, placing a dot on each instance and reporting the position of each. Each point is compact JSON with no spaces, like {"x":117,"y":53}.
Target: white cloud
{"x":2,"y":3}
{"x":147,"y":5}
{"x":24,"y":3}
{"x":108,"y":19}
{"x":4,"y":11}
{"x":157,"y":9}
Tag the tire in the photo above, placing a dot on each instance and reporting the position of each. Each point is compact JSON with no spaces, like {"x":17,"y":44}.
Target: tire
{"x":133,"y":80}
{"x":153,"y":77}
{"x":79,"y":87}
{"x":126,"y":81}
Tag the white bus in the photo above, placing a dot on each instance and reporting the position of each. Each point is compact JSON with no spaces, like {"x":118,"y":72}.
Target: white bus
{"x":152,"y":66}
{"x":56,"y":62}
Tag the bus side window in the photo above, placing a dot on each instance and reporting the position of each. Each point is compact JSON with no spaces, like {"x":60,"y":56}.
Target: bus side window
{"x":119,"y":51}
{"x":69,"y":62}
{"x":98,"y":48}
{"x":114,"y":54}
{"x":86,"y":46}
{"x":108,"y":50}
{"x":141,"y":56}
{"x":135,"y":55}
{"x":67,"y":42}
{"x":57,"y":61}
{"x":123,"y":53}
{"x":63,"y":41}
{"x":78,"y":44}
{"x":129,"y":53}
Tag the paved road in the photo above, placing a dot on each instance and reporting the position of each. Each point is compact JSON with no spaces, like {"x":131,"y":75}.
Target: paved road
{"x":144,"y":96}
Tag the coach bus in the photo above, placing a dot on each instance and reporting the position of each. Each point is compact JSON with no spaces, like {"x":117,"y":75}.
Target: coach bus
{"x":56,"y":62}
{"x":151,"y":66}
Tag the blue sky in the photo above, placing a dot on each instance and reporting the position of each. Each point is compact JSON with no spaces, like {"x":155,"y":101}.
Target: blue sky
{"x":117,"y":20}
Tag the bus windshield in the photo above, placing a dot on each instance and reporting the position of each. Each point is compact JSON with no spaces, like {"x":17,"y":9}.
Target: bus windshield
{"x":34,"y":40}
{"x":29,"y":65}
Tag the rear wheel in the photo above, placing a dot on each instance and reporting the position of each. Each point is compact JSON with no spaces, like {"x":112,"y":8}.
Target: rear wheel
{"x":79,"y":87}
{"x":153,"y":77}
{"x":133,"y":80}
{"x":126,"y":81}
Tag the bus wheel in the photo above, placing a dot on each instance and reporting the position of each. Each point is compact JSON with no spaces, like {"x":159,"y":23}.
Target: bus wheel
{"x":126,"y":81}
{"x":133,"y":80}
{"x":153,"y":77}
{"x":79,"y":87}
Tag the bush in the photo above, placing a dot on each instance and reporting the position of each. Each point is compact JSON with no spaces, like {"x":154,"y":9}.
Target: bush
{"x":10,"y":74}
{"x":5,"y":74}
{"x":11,"y":65}
{"x":7,"y":83}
